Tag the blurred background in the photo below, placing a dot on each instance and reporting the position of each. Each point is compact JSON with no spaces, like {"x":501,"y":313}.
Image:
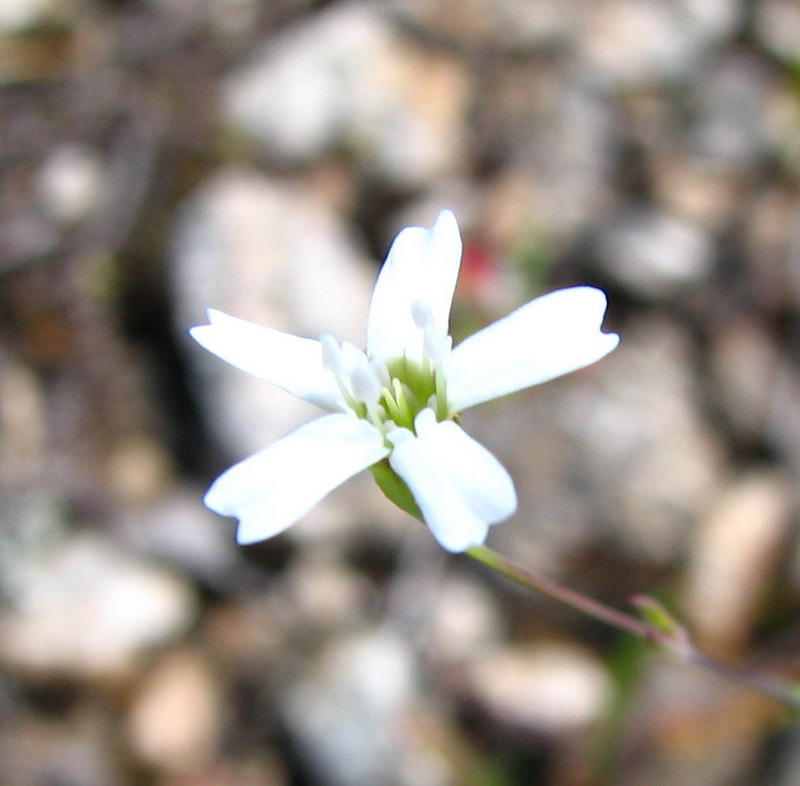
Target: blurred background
{"x":258,"y":156}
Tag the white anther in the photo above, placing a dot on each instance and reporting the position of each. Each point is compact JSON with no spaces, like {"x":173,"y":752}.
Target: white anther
{"x":381,"y":372}
{"x":433,"y":346}
{"x":365,"y":385}
{"x":331,"y":354}
{"x":422,"y":315}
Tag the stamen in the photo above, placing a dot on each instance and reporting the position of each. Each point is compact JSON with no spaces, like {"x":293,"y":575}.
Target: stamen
{"x":392,"y":410}
{"x":381,"y":372}
{"x":432,"y":345}
{"x":421,"y":314}
{"x":365,"y":385}
{"x":404,"y":410}
{"x":440,"y":407}
{"x":331,"y":354}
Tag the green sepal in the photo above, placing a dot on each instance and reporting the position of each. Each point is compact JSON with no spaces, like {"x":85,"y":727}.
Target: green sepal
{"x":655,"y":614}
{"x":395,"y":488}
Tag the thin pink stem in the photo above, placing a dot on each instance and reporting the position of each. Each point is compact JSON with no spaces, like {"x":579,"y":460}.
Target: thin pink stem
{"x":675,"y":642}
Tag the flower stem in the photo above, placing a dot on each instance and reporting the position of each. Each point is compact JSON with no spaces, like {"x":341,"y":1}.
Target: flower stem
{"x":669,"y":636}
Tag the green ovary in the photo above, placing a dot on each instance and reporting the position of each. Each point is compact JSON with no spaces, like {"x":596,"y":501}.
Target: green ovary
{"x":413,"y":386}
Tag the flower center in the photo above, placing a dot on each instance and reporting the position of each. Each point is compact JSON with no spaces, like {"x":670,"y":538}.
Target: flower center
{"x":391,"y":394}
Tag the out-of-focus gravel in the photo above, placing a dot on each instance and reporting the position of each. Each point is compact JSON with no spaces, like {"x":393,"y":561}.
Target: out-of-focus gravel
{"x":163,"y":156}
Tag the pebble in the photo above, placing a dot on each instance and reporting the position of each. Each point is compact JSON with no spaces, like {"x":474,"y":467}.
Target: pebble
{"x":732,"y":562}
{"x":777,"y":25}
{"x":88,"y":610}
{"x":346,"y":80}
{"x":729,"y":105}
{"x":505,"y":25}
{"x":263,"y":250}
{"x":177,"y":715}
{"x":70,"y":183}
{"x":547,"y":687}
{"x":653,"y":253}
{"x":745,"y":365}
{"x":629,"y":44}
{"x":464,"y":621}
{"x":348,"y":713}
{"x":642,"y":426}
{"x":18,"y":15}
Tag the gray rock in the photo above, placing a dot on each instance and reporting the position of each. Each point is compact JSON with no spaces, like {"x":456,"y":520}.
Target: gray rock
{"x":715,"y":20}
{"x":745,"y":367}
{"x":729,"y":105}
{"x":549,"y":687}
{"x":272,"y":253}
{"x":19,"y":15}
{"x":176,"y":718}
{"x":634,"y":43}
{"x":736,"y":549}
{"x":178,"y":530}
{"x":346,"y":713}
{"x":344,"y":79}
{"x":88,"y":610}
{"x":508,"y":25}
{"x":70,"y":183}
{"x":653,"y":254}
{"x":777,"y":25}
{"x":646,"y":460}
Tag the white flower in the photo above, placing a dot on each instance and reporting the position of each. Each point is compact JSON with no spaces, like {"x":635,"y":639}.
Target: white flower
{"x":396,"y":402}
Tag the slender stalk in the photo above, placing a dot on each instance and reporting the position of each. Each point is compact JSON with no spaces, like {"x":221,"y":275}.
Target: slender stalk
{"x":668,"y":636}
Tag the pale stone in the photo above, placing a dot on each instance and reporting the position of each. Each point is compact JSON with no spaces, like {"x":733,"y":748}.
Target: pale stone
{"x":86,"y":609}
{"x":346,"y":79}
{"x":745,"y":366}
{"x":729,"y":110}
{"x":348,"y":713}
{"x":513,"y":25}
{"x":645,"y":459}
{"x":17,"y":15}
{"x":464,"y":621}
{"x":23,"y":424}
{"x":177,"y":714}
{"x":70,"y":183}
{"x":735,"y":551}
{"x":549,"y":687}
{"x":323,"y":593}
{"x":655,"y":254}
{"x":266,"y":251}
{"x":777,"y":25}
{"x":638,"y":42}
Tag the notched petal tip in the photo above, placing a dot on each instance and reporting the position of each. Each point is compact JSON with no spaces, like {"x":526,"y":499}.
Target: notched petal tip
{"x":546,"y":338}
{"x":273,"y":488}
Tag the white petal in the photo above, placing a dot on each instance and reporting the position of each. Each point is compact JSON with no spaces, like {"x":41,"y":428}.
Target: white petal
{"x":550,"y":336}
{"x":273,"y":488}
{"x":422,"y":265}
{"x":290,"y":362}
{"x":459,"y":486}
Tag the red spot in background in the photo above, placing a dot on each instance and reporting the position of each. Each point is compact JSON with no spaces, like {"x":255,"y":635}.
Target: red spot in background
{"x":480,"y":270}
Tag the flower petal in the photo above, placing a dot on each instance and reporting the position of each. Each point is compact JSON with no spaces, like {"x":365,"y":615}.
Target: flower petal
{"x":422,"y":264}
{"x":550,"y":336}
{"x":273,"y":488}
{"x":289,"y":362}
{"x":459,"y":486}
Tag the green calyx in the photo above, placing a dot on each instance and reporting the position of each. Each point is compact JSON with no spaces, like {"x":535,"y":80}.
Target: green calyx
{"x":395,"y":488}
